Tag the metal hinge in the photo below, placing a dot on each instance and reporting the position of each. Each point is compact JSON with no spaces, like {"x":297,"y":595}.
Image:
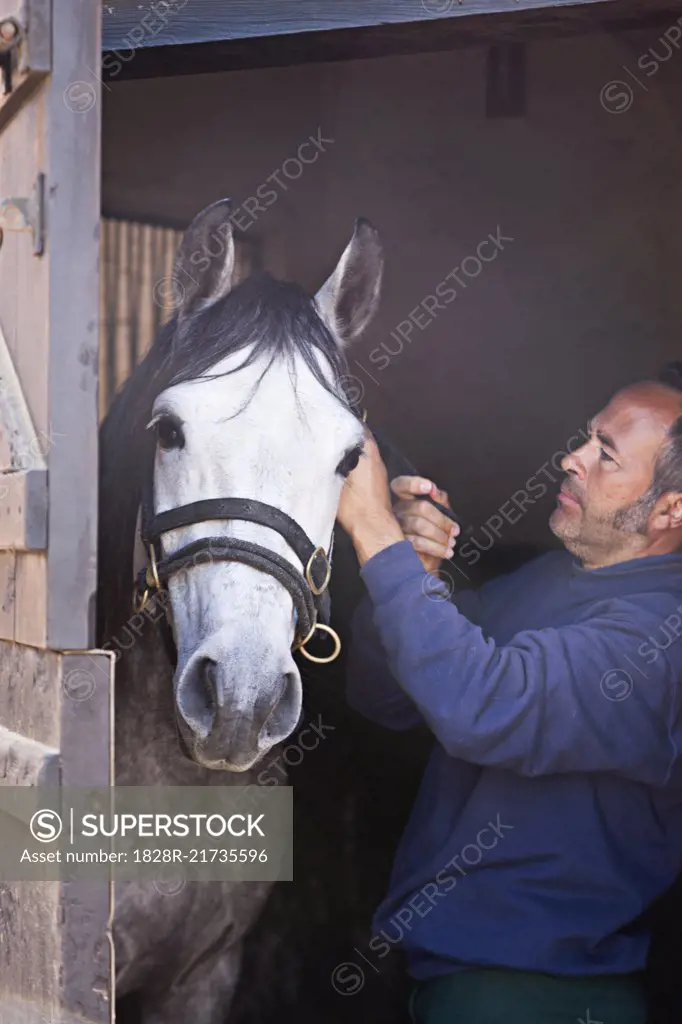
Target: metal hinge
{"x":18,"y":213}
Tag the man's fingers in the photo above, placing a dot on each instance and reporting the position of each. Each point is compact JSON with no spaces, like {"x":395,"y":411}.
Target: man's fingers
{"x":414,"y":486}
{"x":420,"y":526}
{"x":424,"y":546}
{"x":410,"y":486}
{"x":424,"y":510}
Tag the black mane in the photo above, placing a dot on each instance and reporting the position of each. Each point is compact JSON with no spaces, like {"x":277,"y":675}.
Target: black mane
{"x":261,"y":315}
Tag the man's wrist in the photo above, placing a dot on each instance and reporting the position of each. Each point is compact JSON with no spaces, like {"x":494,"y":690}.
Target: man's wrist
{"x":374,"y":533}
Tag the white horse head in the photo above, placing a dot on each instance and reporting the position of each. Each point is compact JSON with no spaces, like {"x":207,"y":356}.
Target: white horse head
{"x":256,"y":411}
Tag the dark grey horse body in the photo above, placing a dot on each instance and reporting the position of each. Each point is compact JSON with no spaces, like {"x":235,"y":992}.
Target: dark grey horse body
{"x":178,"y":945}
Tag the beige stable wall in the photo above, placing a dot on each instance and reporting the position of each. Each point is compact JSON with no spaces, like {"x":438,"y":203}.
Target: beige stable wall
{"x":586,"y":297}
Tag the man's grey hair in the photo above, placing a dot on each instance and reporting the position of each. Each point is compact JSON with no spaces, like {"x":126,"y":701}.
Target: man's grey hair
{"x":668,"y":469}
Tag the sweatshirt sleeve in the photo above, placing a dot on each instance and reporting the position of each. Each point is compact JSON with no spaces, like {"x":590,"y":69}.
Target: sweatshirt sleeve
{"x":371,"y":687}
{"x":550,"y":700}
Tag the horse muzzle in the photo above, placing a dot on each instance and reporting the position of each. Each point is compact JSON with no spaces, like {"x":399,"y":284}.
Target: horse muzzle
{"x":230,"y":712}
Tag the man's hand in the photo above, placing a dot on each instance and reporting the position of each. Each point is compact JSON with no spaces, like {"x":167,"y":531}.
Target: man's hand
{"x":365,"y":510}
{"x":432,"y":534}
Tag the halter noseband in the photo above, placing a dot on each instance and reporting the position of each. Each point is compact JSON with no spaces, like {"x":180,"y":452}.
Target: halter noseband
{"x":308,"y":589}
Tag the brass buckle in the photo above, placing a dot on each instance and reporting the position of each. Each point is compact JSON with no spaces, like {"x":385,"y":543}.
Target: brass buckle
{"x":330,"y":657}
{"x":308,"y":573}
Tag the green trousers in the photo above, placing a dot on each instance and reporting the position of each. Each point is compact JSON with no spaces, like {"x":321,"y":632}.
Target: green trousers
{"x":492,"y":996}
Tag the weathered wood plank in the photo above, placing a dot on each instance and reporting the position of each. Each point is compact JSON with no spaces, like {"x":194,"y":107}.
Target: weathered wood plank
{"x":30,"y":617}
{"x":8,"y":570}
{"x":87,"y":739}
{"x":87,"y":721}
{"x":55,"y":954}
{"x":129,"y":24}
{"x":16,"y":424}
{"x":23,"y":298}
{"x":25,"y":762}
{"x":29,"y":951}
{"x":23,"y":510}
{"x":23,"y":489}
{"x":23,"y":1011}
{"x":30,"y":693}
{"x":73,"y":166}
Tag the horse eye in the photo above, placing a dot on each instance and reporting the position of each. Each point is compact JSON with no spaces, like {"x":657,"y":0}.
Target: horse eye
{"x":169,"y":433}
{"x":349,"y":461}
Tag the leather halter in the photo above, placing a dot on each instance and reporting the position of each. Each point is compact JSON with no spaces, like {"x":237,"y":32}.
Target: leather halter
{"x":308,"y":589}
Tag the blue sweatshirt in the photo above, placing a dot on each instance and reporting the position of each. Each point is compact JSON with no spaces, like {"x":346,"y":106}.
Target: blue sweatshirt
{"x":550,"y":814}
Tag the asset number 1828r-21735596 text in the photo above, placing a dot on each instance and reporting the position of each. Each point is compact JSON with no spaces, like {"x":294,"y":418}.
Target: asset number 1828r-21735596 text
{"x":212,"y":856}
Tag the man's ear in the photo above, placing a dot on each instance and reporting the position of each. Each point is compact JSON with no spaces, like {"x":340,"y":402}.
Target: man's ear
{"x":349,"y":298}
{"x":204,"y":266}
{"x":675,"y":510}
{"x":668,"y":511}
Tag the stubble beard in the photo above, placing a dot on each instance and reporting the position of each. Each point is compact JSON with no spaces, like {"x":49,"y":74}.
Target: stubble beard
{"x":596,"y":539}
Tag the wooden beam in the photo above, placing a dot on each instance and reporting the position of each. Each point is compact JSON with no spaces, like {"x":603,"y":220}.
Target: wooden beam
{"x":72,"y":164}
{"x":425,"y":36}
{"x":131,"y":24}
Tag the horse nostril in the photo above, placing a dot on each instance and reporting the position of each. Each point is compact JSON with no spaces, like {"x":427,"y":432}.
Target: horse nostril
{"x":207,"y":680}
{"x":197,"y":697}
{"x":278,"y":723}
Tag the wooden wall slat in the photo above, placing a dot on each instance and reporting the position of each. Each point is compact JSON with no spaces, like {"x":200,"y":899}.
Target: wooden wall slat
{"x":135,"y":257}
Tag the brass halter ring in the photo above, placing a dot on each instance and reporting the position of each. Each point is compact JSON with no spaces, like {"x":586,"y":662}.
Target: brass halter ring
{"x":309,"y":575}
{"x":330,"y":657}
{"x":151,"y":579}
{"x":152,"y":575}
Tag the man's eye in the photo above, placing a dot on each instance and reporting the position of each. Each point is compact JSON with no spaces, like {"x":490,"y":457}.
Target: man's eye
{"x":169,"y":433}
{"x":349,"y":461}
{"x":604,"y":456}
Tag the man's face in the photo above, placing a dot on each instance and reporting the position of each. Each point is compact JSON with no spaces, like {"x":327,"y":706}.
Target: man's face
{"x":603,"y":510}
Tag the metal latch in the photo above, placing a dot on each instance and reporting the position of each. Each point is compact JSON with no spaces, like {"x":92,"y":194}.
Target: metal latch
{"x":11,"y":35}
{"x":26,"y":214}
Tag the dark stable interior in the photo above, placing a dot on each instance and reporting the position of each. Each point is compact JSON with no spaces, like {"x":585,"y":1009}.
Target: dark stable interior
{"x":442,"y":140}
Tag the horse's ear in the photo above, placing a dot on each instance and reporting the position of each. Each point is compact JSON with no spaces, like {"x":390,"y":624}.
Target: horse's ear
{"x":204,"y":266}
{"x":348,"y":300}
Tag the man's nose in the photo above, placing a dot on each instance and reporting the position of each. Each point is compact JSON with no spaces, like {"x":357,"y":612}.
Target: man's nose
{"x":573,"y":463}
